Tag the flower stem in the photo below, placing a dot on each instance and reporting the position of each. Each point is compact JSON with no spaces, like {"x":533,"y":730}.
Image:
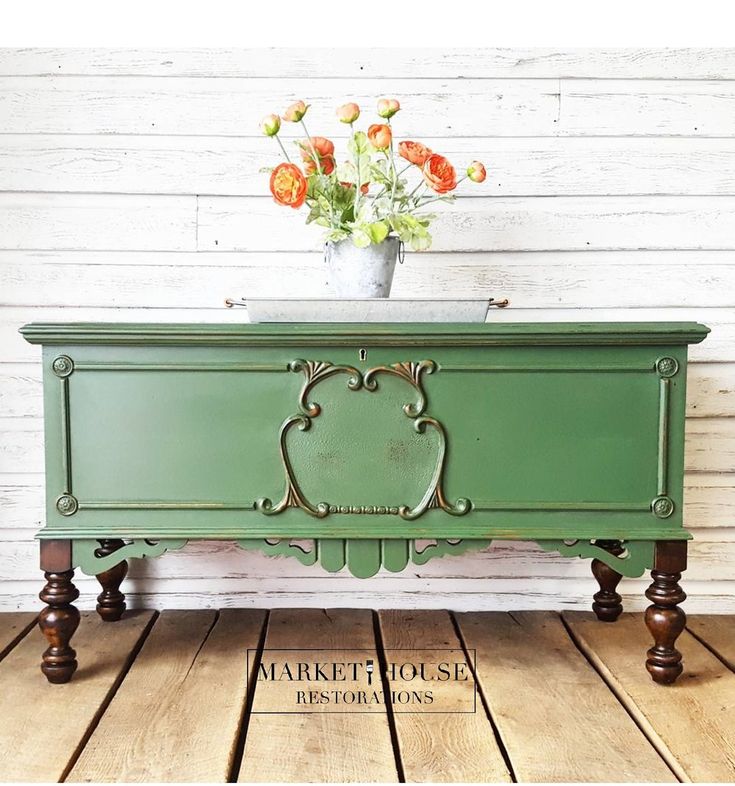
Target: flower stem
{"x":358,"y":185}
{"x":393,"y":169}
{"x":278,"y":139}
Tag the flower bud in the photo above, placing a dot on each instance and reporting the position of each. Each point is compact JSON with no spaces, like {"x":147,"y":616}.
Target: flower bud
{"x":379,"y":136}
{"x":387,"y":107}
{"x":270,"y":125}
{"x":476,"y":172}
{"x":348,"y":113}
{"x":295,"y":112}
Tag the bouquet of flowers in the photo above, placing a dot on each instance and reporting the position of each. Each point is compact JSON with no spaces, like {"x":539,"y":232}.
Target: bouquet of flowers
{"x":371,"y":195}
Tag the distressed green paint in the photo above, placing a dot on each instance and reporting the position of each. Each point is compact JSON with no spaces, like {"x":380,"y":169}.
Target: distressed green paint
{"x":562,"y":431}
{"x":362,"y":557}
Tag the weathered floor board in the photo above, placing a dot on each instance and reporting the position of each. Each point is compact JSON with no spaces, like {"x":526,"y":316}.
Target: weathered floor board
{"x":718,"y":631}
{"x":691,"y":723}
{"x":342,"y":747}
{"x":13,"y":626}
{"x":176,"y":718}
{"x":187,"y":696}
{"x":43,"y":726}
{"x":438,"y":746}
{"x":556,"y":718}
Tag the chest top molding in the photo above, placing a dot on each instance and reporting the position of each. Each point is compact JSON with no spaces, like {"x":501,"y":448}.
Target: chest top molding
{"x":377,"y":334}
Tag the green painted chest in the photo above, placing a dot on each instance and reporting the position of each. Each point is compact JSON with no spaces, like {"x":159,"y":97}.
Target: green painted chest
{"x":368,"y":446}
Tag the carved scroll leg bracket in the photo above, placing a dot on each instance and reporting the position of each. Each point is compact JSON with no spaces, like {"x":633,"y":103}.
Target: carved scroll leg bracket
{"x":665,"y":620}
{"x":607,"y":603}
{"x":58,"y":622}
{"x":111,"y":602}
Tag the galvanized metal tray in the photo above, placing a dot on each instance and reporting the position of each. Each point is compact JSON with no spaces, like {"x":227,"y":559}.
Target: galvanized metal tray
{"x":329,"y":309}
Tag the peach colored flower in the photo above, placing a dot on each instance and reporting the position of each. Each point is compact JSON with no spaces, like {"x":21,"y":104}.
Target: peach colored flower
{"x":439,"y":174}
{"x":295,"y":112}
{"x":414,"y":152}
{"x":326,"y":164}
{"x":324,"y":148}
{"x":288,"y":185}
{"x":476,"y":172}
{"x":380,"y":136}
{"x":348,"y":113}
{"x":387,"y":107}
{"x":270,"y":125}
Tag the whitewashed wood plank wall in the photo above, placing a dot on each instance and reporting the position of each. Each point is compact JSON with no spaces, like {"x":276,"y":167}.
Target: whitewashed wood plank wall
{"x":130,"y":190}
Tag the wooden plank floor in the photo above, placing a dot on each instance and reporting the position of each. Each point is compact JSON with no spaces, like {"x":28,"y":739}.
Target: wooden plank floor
{"x":186,"y":696}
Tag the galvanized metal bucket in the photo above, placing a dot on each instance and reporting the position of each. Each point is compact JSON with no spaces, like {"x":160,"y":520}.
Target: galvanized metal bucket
{"x":362,"y":272}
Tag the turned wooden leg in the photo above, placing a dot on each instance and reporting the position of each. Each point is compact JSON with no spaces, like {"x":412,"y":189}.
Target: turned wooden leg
{"x":665,"y":620}
{"x":111,"y":602}
{"x":607,"y":603}
{"x":58,"y":621}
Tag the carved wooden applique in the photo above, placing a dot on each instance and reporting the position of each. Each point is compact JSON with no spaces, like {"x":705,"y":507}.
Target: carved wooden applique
{"x":317,"y":371}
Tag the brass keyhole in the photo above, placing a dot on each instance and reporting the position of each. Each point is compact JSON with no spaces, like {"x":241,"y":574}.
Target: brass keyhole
{"x":363,"y":354}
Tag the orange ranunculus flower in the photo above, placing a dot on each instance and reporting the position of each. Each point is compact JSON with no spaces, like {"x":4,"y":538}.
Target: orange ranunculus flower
{"x":348,"y":113}
{"x":414,"y":152}
{"x":322,"y":145}
{"x":325,"y":162}
{"x":288,"y":185}
{"x":387,"y":107}
{"x":380,"y":136}
{"x":324,"y":148}
{"x":295,"y":112}
{"x":439,"y":174}
{"x":476,"y":172}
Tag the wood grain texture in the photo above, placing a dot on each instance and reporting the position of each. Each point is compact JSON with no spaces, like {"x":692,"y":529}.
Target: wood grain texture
{"x":13,"y":627}
{"x":502,"y":107}
{"x":360,"y":63}
{"x":502,"y":224}
{"x":322,"y":747}
{"x":690,"y":724}
{"x":104,"y":653}
{"x":83,"y":221}
{"x":558,"y":722}
{"x":234,"y":107}
{"x":718,"y":632}
{"x":231,"y":166}
{"x":193,"y":663}
{"x":531,"y":281}
{"x":441,"y":746}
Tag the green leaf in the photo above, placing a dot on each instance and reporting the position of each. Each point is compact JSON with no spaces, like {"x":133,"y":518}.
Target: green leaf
{"x":420,"y":242}
{"x":378,"y":231}
{"x":358,"y":144}
{"x":360,"y":238}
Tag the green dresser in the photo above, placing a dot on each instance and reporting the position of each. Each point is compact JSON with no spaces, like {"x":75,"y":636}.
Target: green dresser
{"x":365,"y":447}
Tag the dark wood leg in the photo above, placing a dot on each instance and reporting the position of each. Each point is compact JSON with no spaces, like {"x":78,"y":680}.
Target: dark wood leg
{"x":607,"y":603}
{"x":111,"y":602}
{"x":58,"y":621}
{"x":665,"y":620}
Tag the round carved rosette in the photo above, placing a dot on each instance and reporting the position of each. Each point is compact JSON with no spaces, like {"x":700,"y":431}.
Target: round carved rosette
{"x":62,"y":366}
{"x":67,"y":505}
{"x":667,"y":367}
{"x":662,"y":507}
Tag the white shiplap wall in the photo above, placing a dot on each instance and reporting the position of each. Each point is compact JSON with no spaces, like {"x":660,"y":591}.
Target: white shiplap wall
{"x":130,"y":190}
